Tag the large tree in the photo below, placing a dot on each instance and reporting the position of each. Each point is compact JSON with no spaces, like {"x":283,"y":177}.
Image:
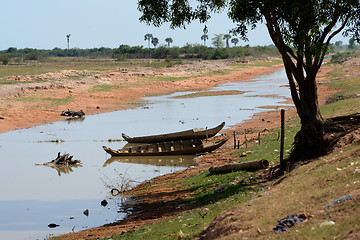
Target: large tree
{"x":234,"y":41}
{"x":227,"y":38}
{"x":68,"y":40}
{"x":169,"y":41}
{"x":204,"y":37}
{"x":155,"y":41}
{"x":300,"y":29}
{"x":148,"y":37}
{"x":217,"y":41}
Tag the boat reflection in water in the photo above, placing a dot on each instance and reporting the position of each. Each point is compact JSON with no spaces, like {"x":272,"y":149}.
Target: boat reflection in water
{"x":175,"y":160}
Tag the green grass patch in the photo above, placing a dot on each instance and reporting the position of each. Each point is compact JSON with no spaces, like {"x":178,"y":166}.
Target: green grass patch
{"x":210,"y":93}
{"x":103,"y":88}
{"x":212,"y":194}
{"x":346,"y":100}
{"x":51,"y":101}
{"x":256,"y":63}
{"x":57,"y":101}
{"x":216,"y":72}
{"x":47,"y":65}
{"x":167,"y":63}
{"x":174,"y":79}
{"x":269,"y":147}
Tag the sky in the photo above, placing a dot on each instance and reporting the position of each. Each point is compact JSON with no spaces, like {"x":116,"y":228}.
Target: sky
{"x":44,"y":24}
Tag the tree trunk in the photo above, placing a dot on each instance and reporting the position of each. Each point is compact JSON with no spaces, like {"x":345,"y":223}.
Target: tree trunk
{"x":246,"y":166}
{"x":309,"y":140}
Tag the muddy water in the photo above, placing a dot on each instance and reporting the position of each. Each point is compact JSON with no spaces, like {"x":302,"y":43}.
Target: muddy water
{"x":34,"y":196}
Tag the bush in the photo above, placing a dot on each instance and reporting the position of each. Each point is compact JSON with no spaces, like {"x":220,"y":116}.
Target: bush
{"x":5,"y":59}
{"x":343,"y":56}
{"x":32,"y":56}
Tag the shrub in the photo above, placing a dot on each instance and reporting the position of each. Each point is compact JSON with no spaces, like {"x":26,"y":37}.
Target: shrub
{"x":5,"y":59}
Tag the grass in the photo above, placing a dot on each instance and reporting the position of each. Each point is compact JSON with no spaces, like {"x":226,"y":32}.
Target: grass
{"x":347,"y":100}
{"x":234,"y":187}
{"x":174,"y":79}
{"x":103,"y":88}
{"x":256,"y":63}
{"x":209,"y":93}
{"x":307,"y":189}
{"x":49,"y":100}
{"x":65,"y":63}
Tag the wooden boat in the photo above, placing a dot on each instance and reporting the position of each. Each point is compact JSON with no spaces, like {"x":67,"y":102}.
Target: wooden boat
{"x":184,"y":135}
{"x":182,"y":147}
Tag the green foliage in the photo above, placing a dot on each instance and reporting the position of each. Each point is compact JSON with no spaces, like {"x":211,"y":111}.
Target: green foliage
{"x":217,"y":41}
{"x":234,"y":41}
{"x":5,"y":59}
{"x":148,"y":37}
{"x":124,"y":52}
{"x":169,"y":41}
{"x":32,"y":56}
{"x":155,"y":41}
{"x":343,"y":56}
{"x":103,"y":88}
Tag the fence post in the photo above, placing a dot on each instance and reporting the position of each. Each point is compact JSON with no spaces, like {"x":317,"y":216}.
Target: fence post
{"x":245,"y":139}
{"x":282,"y":163}
{"x":234,"y":140}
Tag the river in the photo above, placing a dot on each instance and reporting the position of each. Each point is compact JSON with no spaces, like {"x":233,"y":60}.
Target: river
{"x":34,"y":196}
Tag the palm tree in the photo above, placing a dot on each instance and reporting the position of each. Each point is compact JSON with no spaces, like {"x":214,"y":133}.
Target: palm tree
{"x":234,"y":41}
{"x":155,"y":41}
{"x":218,"y":41}
{"x":68,"y":40}
{"x":148,"y":37}
{"x":204,"y":37}
{"x":169,"y":41}
{"x":227,"y":37}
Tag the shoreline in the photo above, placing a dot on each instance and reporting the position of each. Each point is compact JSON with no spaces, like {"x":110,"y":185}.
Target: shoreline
{"x":264,"y":120}
{"x":29,"y":113}
{"x":123,"y":98}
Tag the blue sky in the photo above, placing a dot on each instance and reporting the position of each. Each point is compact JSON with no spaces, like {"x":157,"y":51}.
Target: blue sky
{"x":44,"y":24}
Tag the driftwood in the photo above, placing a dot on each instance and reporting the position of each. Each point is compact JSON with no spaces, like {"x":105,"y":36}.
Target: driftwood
{"x":62,"y":164}
{"x":64,"y":159}
{"x":232,"y":167}
{"x":72,"y":113}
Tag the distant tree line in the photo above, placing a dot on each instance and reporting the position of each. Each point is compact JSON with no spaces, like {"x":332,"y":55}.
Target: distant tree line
{"x":131,"y":52}
{"x":219,"y":51}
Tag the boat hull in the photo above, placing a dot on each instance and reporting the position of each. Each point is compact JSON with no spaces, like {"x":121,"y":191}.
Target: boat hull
{"x":184,"y":135}
{"x":168,"y":148}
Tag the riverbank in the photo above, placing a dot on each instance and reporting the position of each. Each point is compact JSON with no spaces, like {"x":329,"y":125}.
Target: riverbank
{"x":164,"y":198}
{"x":39,"y":99}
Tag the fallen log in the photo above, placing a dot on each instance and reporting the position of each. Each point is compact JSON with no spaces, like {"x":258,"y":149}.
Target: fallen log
{"x":247,"y":166}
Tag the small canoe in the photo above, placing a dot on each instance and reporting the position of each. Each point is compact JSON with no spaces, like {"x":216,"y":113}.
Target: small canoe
{"x":184,"y":135}
{"x":182,"y":147}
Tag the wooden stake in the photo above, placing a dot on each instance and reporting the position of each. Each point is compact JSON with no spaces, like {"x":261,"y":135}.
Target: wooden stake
{"x":282,"y":163}
{"x":245,"y":140}
{"x":234,"y":140}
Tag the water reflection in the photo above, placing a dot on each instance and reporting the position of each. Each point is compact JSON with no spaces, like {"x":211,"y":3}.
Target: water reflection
{"x":75,"y":119}
{"x":65,"y":169}
{"x":179,"y":161}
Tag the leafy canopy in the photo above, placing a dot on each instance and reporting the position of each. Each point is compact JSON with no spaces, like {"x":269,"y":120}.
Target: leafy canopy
{"x":299,"y":24}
